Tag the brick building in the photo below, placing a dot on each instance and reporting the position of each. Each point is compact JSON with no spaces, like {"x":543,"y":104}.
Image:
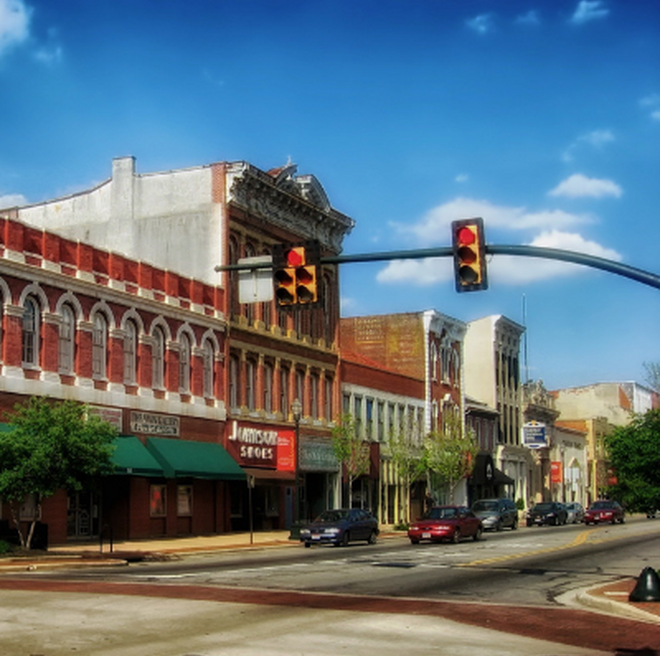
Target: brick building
{"x":111,"y":298}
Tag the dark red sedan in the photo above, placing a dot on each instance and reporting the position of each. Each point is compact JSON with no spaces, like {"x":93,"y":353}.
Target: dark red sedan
{"x":445,"y":523}
{"x":604,"y":511}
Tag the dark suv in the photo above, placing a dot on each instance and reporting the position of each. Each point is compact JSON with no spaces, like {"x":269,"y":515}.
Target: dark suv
{"x":496,"y":514}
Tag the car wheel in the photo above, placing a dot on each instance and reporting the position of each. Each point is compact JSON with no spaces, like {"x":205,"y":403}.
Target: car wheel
{"x":622,"y":520}
{"x":372,"y":538}
{"x":456,"y":537}
{"x":514,"y":526}
{"x":345,"y":539}
{"x":477,"y":535}
{"x":499,"y":525}
{"x":555,"y":521}
{"x":414,"y":541}
{"x":308,"y":545}
{"x":529,"y":523}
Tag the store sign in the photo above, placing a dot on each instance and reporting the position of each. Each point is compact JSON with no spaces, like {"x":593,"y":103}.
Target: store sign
{"x":111,"y":415}
{"x":318,"y":457}
{"x":556,"y":472}
{"x":253,"y":446}
{"x":534,"y":435}
{"x":153,"y":424}
{"x":286,"y":451}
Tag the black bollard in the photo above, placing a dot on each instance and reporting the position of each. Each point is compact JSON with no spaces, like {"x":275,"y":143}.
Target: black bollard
{"x":647,"y":587}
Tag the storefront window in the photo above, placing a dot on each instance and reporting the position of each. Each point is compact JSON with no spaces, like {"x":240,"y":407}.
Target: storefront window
{"x":184,"y":499}
{"x":157,"y":501}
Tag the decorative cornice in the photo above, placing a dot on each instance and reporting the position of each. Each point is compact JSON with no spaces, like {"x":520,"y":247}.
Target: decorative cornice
{"x":296,"y":204}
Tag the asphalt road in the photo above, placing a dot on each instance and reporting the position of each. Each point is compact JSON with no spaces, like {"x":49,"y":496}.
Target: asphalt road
{"x":529,"y":566}
{"x":500,"y":596}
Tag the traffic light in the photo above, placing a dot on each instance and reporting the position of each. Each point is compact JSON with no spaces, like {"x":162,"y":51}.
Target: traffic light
{"x":295,"y":270}
{"x":469,"y":255}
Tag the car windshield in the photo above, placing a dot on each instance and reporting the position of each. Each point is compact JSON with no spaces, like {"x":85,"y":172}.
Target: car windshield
{"x":542,"y":507}
{"x":601,"y":505}
{"x":441,"y":513}
{"x":328,"y":516}
{"x":480,"y":506}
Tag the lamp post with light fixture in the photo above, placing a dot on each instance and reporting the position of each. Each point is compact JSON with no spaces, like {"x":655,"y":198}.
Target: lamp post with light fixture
{"x":296,"y":413}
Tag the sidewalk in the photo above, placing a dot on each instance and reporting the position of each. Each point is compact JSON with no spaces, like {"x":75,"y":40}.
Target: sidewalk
{"x":611,"y":598}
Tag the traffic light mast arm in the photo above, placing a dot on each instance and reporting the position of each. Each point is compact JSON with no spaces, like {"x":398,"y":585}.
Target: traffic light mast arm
{"x":639,"y":275}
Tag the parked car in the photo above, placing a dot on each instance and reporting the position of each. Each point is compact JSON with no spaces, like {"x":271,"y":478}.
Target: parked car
{"x":604,"y":511}
{"x":445,"y":523}
{"x":341,"y":526}
{"x":575,"y":512}
{"x":496,"y":514}
{"x":547,"y":512}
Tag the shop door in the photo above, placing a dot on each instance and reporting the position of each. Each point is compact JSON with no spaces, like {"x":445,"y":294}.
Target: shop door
{"x":83,"y":515}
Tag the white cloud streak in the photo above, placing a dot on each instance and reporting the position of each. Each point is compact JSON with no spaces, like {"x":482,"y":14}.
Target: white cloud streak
{"x":580,"y":186}
{"x":589,"y":10}
{"x":12,"y":200}
{"x":14,"y":24}
{"x":482,"y":24}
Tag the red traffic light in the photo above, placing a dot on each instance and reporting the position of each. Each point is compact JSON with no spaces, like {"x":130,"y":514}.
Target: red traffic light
{"x":468,"y":244}
{"x":295,"y":273}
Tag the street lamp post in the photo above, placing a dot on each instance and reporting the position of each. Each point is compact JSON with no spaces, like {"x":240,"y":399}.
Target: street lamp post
{"x":296,"y":413}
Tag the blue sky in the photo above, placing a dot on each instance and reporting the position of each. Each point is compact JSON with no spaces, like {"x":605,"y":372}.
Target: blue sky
{"x":541,"y":117}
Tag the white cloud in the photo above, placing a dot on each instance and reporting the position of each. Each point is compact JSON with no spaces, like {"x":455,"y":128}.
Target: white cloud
{"x":14,"y":23}
{"x":652,"y":102}
{"x":49,"y":56}
{"x":482,"y":23}
{"x":595,"y":139}
{"x":519,"y":270}
{"x":462,"y":177}
{"x":503,"y":269}
{"x":530,"y":18}
{"x":588,"y":10}
{"x":437,"y":221}
{"x":579,"y":186}
{"x":12,"y":200}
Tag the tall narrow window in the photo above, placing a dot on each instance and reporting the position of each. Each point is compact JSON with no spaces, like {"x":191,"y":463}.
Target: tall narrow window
{"x":184,"y":364}
{"x":268,"y":388}
{"x":233,"y":382}
{"x":284,"y":391}
{"x":158,"y":359}
{"x":208,"y":362}
{"x":329,"y":409}
{"x":99,"y":345}
{"x":130,"y":353}
{"x":31,"y":328}
{"x":314,"y":395}
{"x":67,"y":340}
{"x":250,"y":379}
{"x":300,"y":386}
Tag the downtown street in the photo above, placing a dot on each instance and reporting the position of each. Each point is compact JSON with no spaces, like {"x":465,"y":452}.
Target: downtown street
{"x":514,"y":592}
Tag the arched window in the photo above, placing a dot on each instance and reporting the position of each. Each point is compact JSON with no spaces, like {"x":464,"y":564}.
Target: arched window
{"x":67,"y":340}
{"x":158,"y":359}
{"x":130,"y":353}
{"x":184,"y":364}
{"x":208,"y":373}
{"x":31,"y":329}
{"x":99,"y":346}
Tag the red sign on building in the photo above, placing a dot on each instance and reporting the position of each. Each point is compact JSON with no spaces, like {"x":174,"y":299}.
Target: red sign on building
{"x":556,"y":474}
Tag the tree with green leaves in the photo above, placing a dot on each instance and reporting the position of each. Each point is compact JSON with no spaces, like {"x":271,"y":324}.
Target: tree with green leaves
{"x":409,"y":465}
{"x":351,"y":451}
{"x":51,"y":446}
{"x":634,"y":457}
{"x":448,"y":457}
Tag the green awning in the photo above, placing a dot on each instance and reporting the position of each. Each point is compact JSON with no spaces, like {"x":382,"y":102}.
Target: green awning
{"x":186,"y":458}
{"x":131,"y":457}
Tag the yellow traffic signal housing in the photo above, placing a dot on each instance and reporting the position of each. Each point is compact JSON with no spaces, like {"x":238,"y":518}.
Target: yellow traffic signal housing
{"x":468,"y":244}
{"x":295,"y":273}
